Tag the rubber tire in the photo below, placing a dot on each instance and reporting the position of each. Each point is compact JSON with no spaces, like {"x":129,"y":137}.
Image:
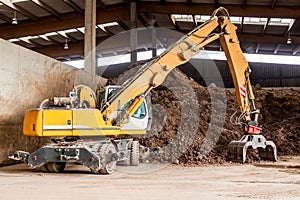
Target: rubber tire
{"x":135,"y":153}
{"x":55,"y":167}
{"x":110,"y":167}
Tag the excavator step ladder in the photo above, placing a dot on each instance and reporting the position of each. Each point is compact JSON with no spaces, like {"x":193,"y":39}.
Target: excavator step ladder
{"x":237,"y":150}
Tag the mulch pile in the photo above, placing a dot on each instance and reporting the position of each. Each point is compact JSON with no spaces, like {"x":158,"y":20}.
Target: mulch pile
{"x":191,"y":123}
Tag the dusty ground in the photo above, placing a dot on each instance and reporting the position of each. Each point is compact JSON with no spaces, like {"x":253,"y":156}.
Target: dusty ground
{"x":231,"y":181}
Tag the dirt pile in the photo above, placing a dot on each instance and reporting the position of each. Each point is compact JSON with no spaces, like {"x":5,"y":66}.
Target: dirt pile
{"x":192,"y":124}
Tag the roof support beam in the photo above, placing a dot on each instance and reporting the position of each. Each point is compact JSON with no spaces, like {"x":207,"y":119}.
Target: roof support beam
{"x":58,"y":50}
{"x":174,"y":22}
{"x":265,"y":26}
{"x":296,"y":50}
{"x":105,"y":30}
{"x":244,"y":4}
{"x":67,"y":21}
{"x":290,"y":27}
{"x":277,"y":47}
{"x":9,"y":4}
{"x":242,"y":25}
{"x":46,"y":7}
{"x":217,"y":4}
{"x":123,"y":25}
{"x":142,"y":20}
{"x":207,"y":9}
{"x":195,"y":20}
{"x":162,"y":2}
{"x":77,"y":48}
{"x":273,"y":4}
{"x":46,"y":38}
{"x":73,"y":5}
{"x":255,"y":38}
{"x":67,"y":36}
{"x":5,"y":18}
{"x":257,"y":48}
{"x":101,"y":4}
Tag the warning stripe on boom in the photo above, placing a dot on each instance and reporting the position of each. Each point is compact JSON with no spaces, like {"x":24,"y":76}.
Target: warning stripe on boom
{"x":243,"y":90}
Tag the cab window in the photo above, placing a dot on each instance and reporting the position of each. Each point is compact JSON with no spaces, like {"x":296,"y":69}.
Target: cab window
{"x":140,"y":113}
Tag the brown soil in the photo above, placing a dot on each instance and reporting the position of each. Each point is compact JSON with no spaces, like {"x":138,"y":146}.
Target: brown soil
{"x":190,"y":137}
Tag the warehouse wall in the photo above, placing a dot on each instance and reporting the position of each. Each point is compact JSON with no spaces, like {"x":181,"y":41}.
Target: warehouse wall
{"x":27,"y":78}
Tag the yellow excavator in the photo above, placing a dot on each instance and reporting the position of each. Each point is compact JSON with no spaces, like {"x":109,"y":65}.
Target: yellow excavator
{"x":122,"y":109}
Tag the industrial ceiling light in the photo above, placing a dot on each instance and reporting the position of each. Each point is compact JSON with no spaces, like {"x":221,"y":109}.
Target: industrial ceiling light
{"x":14,"y":19}
{"x":289,"y":40}
{"x":66,"y":47}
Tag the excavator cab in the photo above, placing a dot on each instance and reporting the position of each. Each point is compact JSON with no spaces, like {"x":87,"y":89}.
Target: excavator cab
{"x":139,"y":122}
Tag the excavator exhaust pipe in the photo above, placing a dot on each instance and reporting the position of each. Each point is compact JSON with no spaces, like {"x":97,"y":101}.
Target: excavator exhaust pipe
{"x":237,"y":150}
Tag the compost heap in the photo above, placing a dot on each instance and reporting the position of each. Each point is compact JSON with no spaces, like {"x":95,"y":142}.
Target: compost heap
{"x":191,"y":123}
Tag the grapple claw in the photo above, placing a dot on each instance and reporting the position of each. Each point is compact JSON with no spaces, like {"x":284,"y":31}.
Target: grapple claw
{"x":237,"y":150}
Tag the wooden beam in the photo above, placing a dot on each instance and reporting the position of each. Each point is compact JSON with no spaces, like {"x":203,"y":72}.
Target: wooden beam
{"x":189,"y":2}
{"x":9,"y":4}
{"x":207,"y":9}
{"x":67,"y":21}
{"x":46,"y":7}
{"x":73,"y":5}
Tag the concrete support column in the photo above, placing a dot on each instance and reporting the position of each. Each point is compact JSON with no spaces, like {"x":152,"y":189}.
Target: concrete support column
{"x":133,"y":33}
{"x":90,"y":37}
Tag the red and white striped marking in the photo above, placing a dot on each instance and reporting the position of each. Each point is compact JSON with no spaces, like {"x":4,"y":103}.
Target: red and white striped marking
{"x":243,"y":90}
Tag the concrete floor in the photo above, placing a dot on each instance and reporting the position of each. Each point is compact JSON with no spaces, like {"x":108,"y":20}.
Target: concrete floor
{"x":230,"y":181}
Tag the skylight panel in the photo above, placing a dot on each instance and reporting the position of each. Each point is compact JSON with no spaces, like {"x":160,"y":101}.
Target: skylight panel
{"x":110,"y":24}
{"x":281,"y":21}
{"x":81,"y":29}
{"x":51,"y":34}
{"x":183,"y":18}
{"x":14,"y":40}
{"x":202,"y":18}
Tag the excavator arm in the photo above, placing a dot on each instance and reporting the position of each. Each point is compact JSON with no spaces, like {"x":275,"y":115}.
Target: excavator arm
{"x":153,"y":73}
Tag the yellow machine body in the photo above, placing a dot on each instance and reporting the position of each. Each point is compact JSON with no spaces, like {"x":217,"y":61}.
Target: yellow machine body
{"x":73,"y":122}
